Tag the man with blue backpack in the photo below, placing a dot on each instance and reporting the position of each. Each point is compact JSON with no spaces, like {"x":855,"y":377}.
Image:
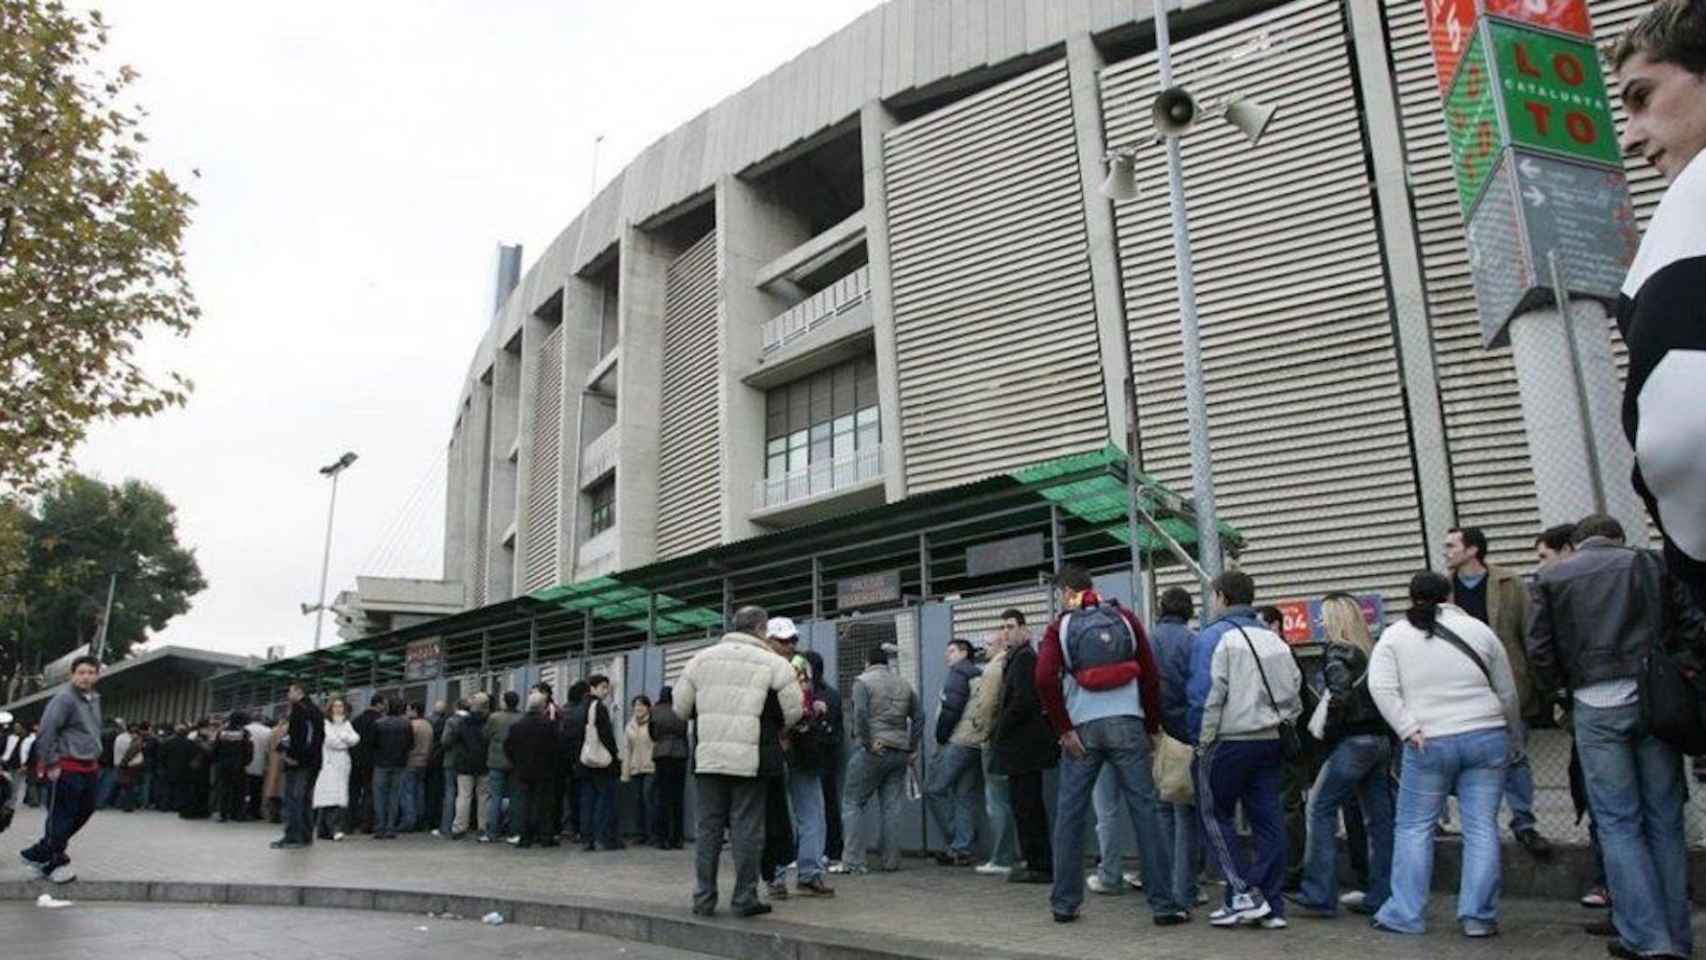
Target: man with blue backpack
{"x":1100,"y":689}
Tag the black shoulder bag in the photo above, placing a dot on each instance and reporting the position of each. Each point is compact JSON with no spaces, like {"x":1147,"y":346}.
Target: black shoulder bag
{"x":1291,"y":745}
{"x":1670,"y":696}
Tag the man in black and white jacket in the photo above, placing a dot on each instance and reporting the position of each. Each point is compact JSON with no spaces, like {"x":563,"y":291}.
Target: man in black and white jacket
{"x":1661,"y":61}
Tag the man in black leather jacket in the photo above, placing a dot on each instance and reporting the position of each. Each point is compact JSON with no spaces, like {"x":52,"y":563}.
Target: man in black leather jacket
{"x":1599,"y":614}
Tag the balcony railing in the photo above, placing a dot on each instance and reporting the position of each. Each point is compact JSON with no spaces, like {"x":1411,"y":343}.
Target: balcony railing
{"x":837,"y":299}
{"x":600,"y":456}
{"x":819,"y":478}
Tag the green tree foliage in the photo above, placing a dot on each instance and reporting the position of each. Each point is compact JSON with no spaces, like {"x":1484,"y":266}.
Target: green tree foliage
{"x":77,"y":534}
{"x":91,"y":253}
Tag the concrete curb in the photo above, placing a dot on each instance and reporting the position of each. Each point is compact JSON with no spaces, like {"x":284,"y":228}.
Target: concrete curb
{"x":723,"y":936}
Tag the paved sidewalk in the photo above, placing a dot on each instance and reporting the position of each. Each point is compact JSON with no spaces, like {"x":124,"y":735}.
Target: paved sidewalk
{"x":152,"y":931}
{"x":951,"y":907}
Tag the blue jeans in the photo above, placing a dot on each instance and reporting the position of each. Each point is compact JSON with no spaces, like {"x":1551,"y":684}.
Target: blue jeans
{"x":1111,"y":835}
{"x":598,"y":810}
{"x":1519,"y":794}
{"x":413,"y":802}
{"x":106,"y":787}
{"x":297,"y":827}
{"x":1247,"y":773}
{"x":805,"y":800}
{"x":1473,"y":766}
{"x":950,"y":794}
{"x":70,"y":804}
{"x":1182,"y":822}
{"x":880,"y":776}
{"x":387,"y":796}
{"x":998,"y":802}
{"x":1635,"y":789}
{"x":447,"y":816}
{"x":1119,"y":742}
{"x":1357,"y":766}
{"x":500,"y":792}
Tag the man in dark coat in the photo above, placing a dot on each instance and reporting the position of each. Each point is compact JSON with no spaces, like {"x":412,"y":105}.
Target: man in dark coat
{"x":831,"y":773}
{"x":531,"y":746}
{"x":1024,"y":747}
{"x":304,"y":740}
{"x":366,"y":726}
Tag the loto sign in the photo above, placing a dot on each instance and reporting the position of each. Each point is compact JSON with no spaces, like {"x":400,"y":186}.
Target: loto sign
{"x":1534,"y":148}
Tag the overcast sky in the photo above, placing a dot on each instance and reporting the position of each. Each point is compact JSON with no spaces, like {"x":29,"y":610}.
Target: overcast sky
{"x":358,"y":163}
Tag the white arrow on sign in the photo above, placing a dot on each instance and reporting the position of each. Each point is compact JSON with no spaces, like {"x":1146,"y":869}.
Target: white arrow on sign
{"x":1534,"y":195}
{"x":1528,"y":167}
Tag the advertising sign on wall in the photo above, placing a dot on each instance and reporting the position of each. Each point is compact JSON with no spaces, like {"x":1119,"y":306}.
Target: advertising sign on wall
{"x":1303,"y":622}
{"x":1451,"y":24}
{"x":1472,"y":125}
{"x":423,"y":660}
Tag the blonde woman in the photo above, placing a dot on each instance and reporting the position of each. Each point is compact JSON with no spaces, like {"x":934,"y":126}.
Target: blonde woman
{"x":1358,"y":763}
{"x":331,"y":788}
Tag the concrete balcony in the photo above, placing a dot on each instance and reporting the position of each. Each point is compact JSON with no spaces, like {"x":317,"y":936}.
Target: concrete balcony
{"x":842,"y":298}
{"x":849,"y":482}
{"x":600,"y":457}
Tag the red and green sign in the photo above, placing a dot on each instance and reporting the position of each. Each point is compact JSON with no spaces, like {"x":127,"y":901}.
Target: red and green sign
{"x":1472,"y":123}
{"x":1451,"y":25}
{"x":1554,"y":94}
{"x":1566,"y":16}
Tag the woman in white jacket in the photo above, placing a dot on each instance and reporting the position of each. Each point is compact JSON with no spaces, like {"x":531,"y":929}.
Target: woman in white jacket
{"x":331,"y":789}
{"x":1441,"y":680}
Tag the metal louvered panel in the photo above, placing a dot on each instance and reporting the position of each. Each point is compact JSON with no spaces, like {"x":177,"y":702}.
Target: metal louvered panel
{"x":676,"y":655}
{"x":544,"y":506}
{"x":994,"y":321}
{"x":977,"y":618}
{"x":689,"y":469}
{"x":1311,"y":449}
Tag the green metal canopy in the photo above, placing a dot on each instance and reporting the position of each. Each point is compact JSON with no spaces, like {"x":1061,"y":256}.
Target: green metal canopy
{"x":1068,"y":509}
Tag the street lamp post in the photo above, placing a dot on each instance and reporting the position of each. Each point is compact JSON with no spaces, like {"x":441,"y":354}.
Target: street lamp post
{"x":330,"y":470}
{"x":1190,"y":337}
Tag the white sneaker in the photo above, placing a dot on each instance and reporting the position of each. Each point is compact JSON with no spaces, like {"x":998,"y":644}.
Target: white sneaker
{"x":1352,"y":900}
{"x":993,"y":869}
{"x":436,"y":833}
{"x":1133,"y":879}
{"x":1245,"y":908}
{"x":63,"y":874}
{"x":1094,"y":882}
{"x":513,"y":841}
{"x":339,"y":836}
{"x":1274,"y":923}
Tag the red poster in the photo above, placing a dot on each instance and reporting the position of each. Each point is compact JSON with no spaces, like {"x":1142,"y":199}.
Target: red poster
{"x":1451,"y":25}
{"x":1567,"y":16}
{"x":1298,"y":628}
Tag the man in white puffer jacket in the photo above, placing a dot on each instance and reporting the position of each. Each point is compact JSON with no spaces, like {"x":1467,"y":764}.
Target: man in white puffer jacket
{"x":725,"y":690}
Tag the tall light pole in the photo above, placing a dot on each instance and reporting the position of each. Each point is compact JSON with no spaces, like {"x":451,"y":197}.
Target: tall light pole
{"x":1175,"y":112}
{"x":1190,"y":337}
{"x":332,"y":470}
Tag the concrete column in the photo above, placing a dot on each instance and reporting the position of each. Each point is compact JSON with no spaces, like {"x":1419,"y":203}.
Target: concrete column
{"x":751,"y":231}
{"x":455,"y":497}
{"x":1083,"y":62}
{"x":533,"y":330}
{"x":477,"y":459}
{"x":874,"y":121}
{"x":644,"y":273}
{"x":1559,"y":444}
{"x":1414,"y":336}
{"x":502,"y":501}
{"x":581,"y":303}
